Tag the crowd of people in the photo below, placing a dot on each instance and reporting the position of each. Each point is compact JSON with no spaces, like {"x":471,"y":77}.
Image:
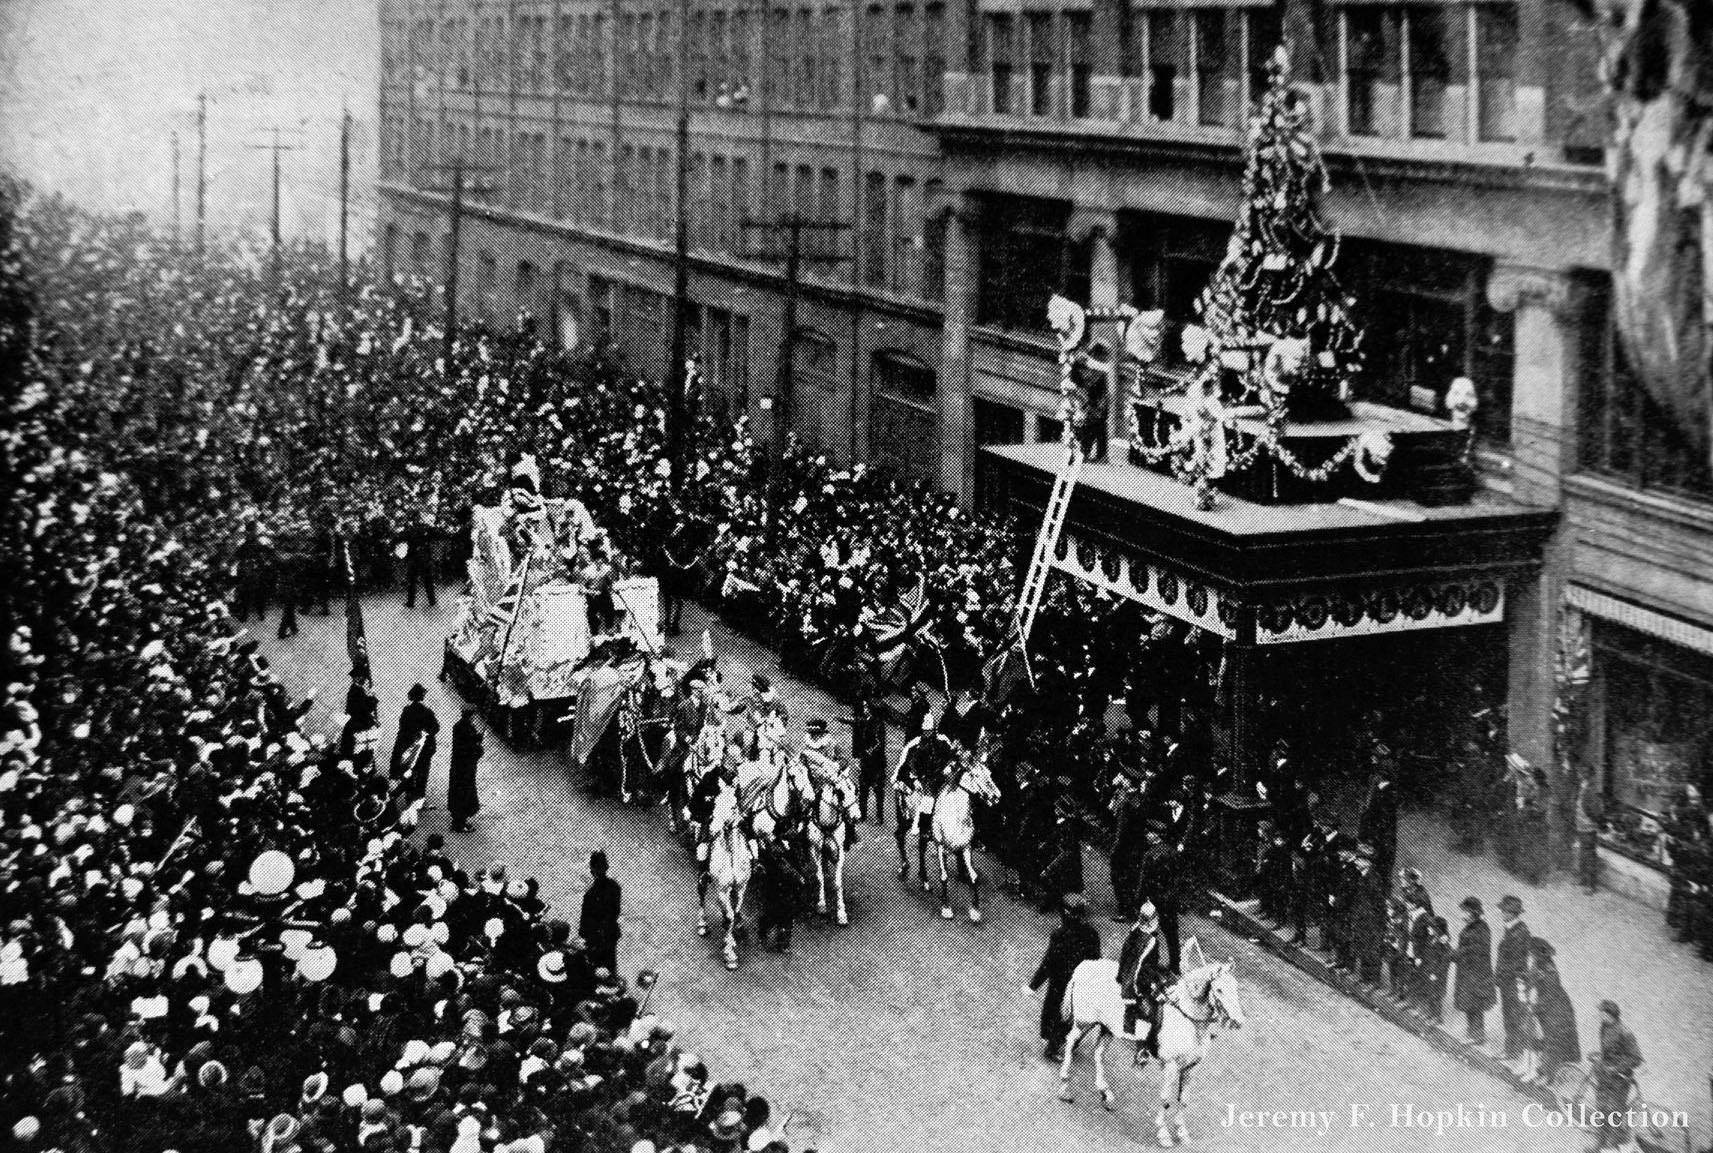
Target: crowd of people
{"x":220,"y":931}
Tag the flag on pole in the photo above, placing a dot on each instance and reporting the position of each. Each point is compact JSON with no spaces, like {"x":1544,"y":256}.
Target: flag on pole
{"x":1004,"y":672}
{"x":511,"y":604}
{"x":903,"y":625}
{"x":356,"y":638}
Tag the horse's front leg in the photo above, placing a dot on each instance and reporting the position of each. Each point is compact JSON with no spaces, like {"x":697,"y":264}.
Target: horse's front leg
{"x":702,"y":904}
{"x":1168,"y":1095}
{"x":1181,"y":1128}
{"x":967,"y":854}
{"x":945,"y":883}
{"x":820,"y":879}
{"x":924,"y":832}
{"x":901,"y":831}
{"x":839,"y":882}
{"x":729,"y":906}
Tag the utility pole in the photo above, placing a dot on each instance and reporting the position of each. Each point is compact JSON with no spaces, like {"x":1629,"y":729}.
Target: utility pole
{"x":201,"y":166}
{"x":175,"y":190}
{"x":793,"y":226}
{"x":460,"y":170}
{"x":274,"y":230}
{"x":676,"y":416}
{"x":345,"y":199}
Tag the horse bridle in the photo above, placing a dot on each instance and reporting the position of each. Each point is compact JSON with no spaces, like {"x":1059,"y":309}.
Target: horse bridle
{"x":1216,"y":1011}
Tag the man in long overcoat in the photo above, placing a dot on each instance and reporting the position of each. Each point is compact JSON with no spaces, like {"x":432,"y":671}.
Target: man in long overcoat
{"x":599,"y":923}
{"x":1472,"y":993}
{"x":1510,"y":972}
{"x":1072,"y":943}
{"x":416,"y":720}
{"x":462,"y":801}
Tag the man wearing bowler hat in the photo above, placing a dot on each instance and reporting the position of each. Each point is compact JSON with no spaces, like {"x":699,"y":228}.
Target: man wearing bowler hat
{"x":1511,"y":970}
{"x":1473,"y":992}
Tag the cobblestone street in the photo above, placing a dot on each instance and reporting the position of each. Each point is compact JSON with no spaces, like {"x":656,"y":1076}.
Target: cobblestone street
{"x":903,"y":1031}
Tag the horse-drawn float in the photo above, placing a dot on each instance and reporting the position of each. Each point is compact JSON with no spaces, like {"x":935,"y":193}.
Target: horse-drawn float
{"x":548,"y":638}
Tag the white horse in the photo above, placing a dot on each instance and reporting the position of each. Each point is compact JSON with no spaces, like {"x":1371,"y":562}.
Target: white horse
{"x":731,"y":860}
{"x":832,"y":811}
{"x":1195,"y":1005}
{"x":967,"y":780}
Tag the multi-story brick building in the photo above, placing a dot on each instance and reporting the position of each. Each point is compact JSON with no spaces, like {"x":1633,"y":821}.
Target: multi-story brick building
{"x":987,"y":152}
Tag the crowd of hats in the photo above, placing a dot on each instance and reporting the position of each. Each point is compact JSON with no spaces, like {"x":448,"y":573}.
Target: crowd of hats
{"x":156,"y":789}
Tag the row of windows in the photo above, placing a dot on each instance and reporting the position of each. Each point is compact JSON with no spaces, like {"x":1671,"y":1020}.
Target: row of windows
{"x":793,"y":57}
{"x":1428,"y":71}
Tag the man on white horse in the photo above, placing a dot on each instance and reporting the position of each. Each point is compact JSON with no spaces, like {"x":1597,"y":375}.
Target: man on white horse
{"x":920,"y":776}
{"x":821,"y":757}
{"x":1141,"y":978}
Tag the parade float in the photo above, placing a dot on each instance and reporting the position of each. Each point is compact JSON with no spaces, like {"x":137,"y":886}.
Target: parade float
{"x":548,"y":635}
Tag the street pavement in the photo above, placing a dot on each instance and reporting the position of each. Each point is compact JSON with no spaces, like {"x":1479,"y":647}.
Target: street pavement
{"x":902,"y":1031}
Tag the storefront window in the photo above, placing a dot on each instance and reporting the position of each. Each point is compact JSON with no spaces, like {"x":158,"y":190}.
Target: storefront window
{"x":1654,"y":725}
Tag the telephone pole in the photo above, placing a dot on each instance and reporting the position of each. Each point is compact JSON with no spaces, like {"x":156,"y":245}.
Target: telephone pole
{"x":344,"y":198}
{"x":459,"y":170}
{"x":201,"y":166}
{"x":676,"y":415}
{"x":793,"y":226}
{"x":175,"y":190}
{"x":276,"y":148}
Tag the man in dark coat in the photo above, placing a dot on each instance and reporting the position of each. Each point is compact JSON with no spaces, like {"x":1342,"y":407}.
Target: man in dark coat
{"x":418,"y":542}
{"x":1368,"y":920}
{"x":415,"y":720}
{"x":868,"y":749}
{"x":1129,"y":845}
{"x":1142,"y":974}
{"x":1511,"y":971}
{"x":599,"y":924}
{"x":462,"y":801}
{"x":1472,"y":993}
{"x":362,"y":718}
{"x":1614,"y":1075}
{"x":1379,"y":825}
{"x":1160,"y":881}
{"x":780,"y":883}
{"x":1559,"y":1041}
{"x":1072,"y":943}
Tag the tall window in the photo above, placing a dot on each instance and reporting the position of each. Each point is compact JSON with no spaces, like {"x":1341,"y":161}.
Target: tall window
{"x":1431,"y":49}
{"x":1496,"y":71}
{"x":598,"y":198}
{"x":1266,"y":29}
{"x":877,"y":37}
{"x":779,"y":79}
{"x":808,"y":94}
{"x":903,"y":420}
{"x":833,"y":53}
{"x":1370,"y":78}
{"x":1163,"y":55}
{"x":740,"y":45}
{"x":874,"y":231}
{"x":934,"y":59}
{"x":1024,"y":255}
{"x":778,"y":190}
{"x":1213,"y":61}
{"x":907,"y":242}
{"x":933,"y":243}
{"x":721,"y":191}
{"x":740,"y":201}
{"x":909,"y":59}
{"x":1624,"y":433}
{"x":1043,"y":59}
{"x":665,"y":174}
{"x":1079,"y":65}
{"x":831,"y":210}
{"x":1001,"y":62}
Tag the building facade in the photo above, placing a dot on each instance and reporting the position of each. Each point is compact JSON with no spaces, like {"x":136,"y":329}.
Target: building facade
{"x":981,"y":154}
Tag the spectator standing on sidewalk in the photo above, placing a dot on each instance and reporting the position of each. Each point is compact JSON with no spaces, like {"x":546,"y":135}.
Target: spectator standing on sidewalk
{"x":1379,"y":825}
{"x":1615,"y":1068}
{"x":1557,"y":1039}
{"x":1436,"y":966}
{"x":462,"y":800}
{"x":1473,"y":993}
{"x":1511,"y":971}
{"x":1590,"y":816}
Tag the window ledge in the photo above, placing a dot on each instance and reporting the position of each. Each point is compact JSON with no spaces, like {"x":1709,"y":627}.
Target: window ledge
{"x":1683,"y":511}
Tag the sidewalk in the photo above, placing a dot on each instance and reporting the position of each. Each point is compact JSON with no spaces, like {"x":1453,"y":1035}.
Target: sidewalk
{"x":1608,"y":946}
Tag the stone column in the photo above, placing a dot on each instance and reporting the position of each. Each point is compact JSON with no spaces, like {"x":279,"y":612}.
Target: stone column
{"x":1542,"y":453}
{"x":957,"y":421}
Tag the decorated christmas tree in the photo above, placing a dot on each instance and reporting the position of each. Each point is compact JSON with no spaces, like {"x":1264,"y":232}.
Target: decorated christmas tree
{"x":1274,"y":311}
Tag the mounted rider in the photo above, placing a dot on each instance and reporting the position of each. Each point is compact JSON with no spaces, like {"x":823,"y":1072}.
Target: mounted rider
{"x":821,"y":757}
{"x":923,"y":767}
{"x":1142,"y":974}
